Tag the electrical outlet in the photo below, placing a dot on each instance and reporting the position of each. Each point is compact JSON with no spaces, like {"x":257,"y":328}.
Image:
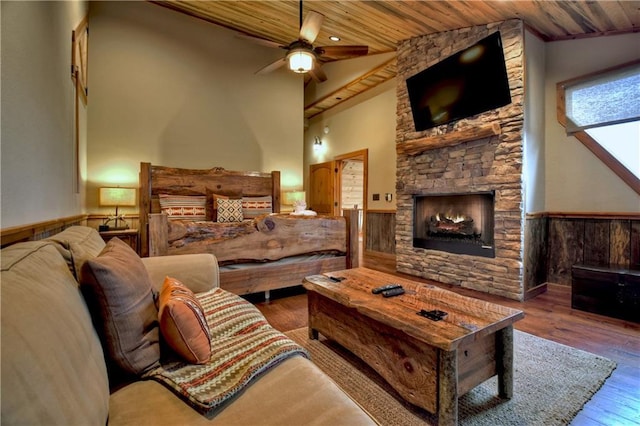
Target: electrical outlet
{"x":388,"y":197}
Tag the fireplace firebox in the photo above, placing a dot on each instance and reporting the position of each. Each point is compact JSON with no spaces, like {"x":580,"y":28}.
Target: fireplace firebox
{"x":455,"y":223}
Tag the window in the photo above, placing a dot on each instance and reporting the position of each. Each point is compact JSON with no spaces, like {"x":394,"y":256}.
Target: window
{"x":602,"y":110}
{"x":622,"y":141}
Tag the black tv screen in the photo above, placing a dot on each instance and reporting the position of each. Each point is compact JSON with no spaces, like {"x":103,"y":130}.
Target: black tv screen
{"x":466,"y":83}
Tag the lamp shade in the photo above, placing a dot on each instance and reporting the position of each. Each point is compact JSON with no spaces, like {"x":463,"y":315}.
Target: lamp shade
{"x":300,"y":60}
{"x":290,"y":197}
{"x":110,"y":196}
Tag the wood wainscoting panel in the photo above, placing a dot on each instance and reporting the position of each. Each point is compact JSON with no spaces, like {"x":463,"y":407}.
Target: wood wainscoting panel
{"x":635,"y":244}
{"x":381,"y":231}
{"x":536,"y":236}
{"x":596,"y":239}
{"x":40,"y":230}
{"x":566,"y":246}
{"x":620,"y":243}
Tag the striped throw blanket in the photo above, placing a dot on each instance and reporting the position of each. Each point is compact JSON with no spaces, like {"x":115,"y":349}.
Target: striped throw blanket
{"x":243,"y":346}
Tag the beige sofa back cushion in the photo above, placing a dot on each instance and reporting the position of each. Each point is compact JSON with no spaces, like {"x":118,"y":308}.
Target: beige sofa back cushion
{"x":53,"y":368}
{"x":77,"y":244}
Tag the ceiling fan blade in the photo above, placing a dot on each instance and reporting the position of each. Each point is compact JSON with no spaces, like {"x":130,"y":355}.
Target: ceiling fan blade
{"x":341,"y":52}
{"x":272,"y":66}
{"x":317,"y":74}
{"x":261,"y":41}
{"x":311,"y":26}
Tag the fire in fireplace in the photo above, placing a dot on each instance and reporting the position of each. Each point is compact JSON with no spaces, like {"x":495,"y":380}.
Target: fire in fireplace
{"x":455,"y":223}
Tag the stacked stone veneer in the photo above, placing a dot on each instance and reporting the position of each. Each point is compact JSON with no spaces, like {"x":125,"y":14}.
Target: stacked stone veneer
{"x":488,"y":164}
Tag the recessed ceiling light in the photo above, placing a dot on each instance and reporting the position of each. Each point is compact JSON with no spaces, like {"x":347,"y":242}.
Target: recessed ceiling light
{"x":334,"y":38}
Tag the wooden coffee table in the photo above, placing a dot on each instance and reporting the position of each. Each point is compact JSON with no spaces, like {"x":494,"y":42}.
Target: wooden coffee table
{"x":429,"y":363}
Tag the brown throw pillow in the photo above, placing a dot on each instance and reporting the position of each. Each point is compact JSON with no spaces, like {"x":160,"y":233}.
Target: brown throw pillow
{"x":182,"y":322}
{"x":119,"y":294}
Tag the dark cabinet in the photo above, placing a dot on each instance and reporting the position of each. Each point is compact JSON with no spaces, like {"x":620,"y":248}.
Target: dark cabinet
{"x":606,"y":291}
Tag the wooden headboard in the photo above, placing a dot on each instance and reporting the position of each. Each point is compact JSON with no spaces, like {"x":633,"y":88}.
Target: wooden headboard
{"x":156,"y":180}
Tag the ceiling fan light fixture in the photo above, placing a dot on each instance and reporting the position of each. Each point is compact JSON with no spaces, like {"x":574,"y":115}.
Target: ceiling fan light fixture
{"x":301,"y":60}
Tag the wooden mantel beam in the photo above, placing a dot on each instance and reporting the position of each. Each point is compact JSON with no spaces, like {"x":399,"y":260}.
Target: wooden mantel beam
{"x":417,"y":146}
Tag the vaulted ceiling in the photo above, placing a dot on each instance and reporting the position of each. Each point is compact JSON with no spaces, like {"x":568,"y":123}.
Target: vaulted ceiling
{"x":381,"y":24}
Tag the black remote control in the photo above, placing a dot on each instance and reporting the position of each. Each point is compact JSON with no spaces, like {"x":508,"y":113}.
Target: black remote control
{"x":379,"y":290}
{"x":435,"y":315}
{"x":393,"y":292}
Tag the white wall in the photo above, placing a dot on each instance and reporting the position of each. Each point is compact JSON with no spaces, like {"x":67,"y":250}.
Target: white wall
{"x":366,"y":125}
{"x":534,"y":116}
{"x":174,"y":90}
{"x":577,"y":181}
{"x":367,"y":121}
{"x":37,"y":136}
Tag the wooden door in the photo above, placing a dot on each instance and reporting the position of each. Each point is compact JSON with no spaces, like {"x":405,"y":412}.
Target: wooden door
{"x":322,"y":188}
{"x":351,"y":184}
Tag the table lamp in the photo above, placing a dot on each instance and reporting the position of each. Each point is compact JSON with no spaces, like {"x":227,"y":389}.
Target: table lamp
{"x":116,"y":196}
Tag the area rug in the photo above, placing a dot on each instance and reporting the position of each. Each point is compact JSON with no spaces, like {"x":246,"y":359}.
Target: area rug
{"x":552,"y":382}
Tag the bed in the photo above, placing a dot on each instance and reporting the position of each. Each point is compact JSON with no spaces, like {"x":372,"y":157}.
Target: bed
{"x":264,"y":251}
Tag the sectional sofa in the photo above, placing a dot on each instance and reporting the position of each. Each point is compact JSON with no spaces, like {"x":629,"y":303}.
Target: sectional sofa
{"x":57,"y":368}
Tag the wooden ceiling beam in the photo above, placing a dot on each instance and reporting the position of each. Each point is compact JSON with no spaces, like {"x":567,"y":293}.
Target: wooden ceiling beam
{"x":352,"y":83}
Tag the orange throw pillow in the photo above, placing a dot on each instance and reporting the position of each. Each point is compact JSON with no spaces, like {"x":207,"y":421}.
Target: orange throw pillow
{"x":182,"y":322}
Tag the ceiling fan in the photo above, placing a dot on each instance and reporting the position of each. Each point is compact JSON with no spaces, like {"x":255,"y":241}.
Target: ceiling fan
{"x":301,"y":56}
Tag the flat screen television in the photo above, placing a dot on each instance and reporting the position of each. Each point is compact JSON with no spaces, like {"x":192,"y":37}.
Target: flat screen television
{"x":466,"y":83}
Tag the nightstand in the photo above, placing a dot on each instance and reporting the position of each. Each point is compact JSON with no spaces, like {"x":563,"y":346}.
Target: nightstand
{"x":129,"y":236}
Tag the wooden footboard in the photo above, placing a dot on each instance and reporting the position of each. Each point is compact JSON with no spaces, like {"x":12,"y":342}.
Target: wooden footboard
{"x":265,"y":238}
{"x":266,"y":277}
{"x":272,"y":275}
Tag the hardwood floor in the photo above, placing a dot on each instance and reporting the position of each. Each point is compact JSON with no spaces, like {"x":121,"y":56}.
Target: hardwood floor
{"x":548,"y":315}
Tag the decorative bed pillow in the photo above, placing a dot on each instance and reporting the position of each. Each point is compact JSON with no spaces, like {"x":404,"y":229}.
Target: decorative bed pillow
{"x":214,"y":203}
{"x":255,"y":206}
{"x":182,"y":322}
{"x":119,"y":292}
{"x":229,"y":210}
{"x":188,"y":207}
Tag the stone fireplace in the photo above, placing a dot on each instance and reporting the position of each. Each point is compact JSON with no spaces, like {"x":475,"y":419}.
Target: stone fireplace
{"x":455,"y":223}
{"x":469,"y":173}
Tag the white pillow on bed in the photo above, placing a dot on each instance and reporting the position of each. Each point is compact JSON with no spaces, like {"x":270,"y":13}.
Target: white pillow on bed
{"x":188,"y":207}
{"x":230,"y":210}
{"x":255,"y":206}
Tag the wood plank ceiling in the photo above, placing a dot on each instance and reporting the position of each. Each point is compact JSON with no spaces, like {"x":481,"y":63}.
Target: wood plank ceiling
{"x":381,"y":24}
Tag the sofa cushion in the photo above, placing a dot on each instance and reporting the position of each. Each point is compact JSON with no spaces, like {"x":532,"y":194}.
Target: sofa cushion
{"x":77,"y":244}
{"x":53,"y":367}
{"x":295,"y":392}
{"x":182,"y":322}
{"x":119,"y":293}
